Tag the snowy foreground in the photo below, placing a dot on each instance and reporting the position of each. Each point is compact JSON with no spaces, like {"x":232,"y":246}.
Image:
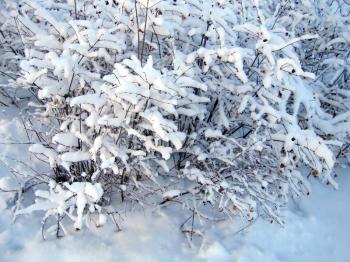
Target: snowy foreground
{"x":317,"y":229}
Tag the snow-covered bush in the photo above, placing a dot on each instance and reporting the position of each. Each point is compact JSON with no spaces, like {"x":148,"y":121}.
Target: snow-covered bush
{"x":213,"y":104}
{"x":11,"y":51}
{"x":60,"y":202}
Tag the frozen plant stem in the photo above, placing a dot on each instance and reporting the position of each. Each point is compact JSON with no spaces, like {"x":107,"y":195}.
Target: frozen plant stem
{"x":144,"y":32}
{"x":75,"y":9}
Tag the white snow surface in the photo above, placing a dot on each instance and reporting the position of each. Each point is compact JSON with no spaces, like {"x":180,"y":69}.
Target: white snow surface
{"x":317,"y":227}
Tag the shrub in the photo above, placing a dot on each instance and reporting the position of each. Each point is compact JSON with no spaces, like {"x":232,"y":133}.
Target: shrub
{"x":212,"y":104}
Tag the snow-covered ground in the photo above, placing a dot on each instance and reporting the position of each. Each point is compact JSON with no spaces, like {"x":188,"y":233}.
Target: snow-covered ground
{"x":317,"y":227}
